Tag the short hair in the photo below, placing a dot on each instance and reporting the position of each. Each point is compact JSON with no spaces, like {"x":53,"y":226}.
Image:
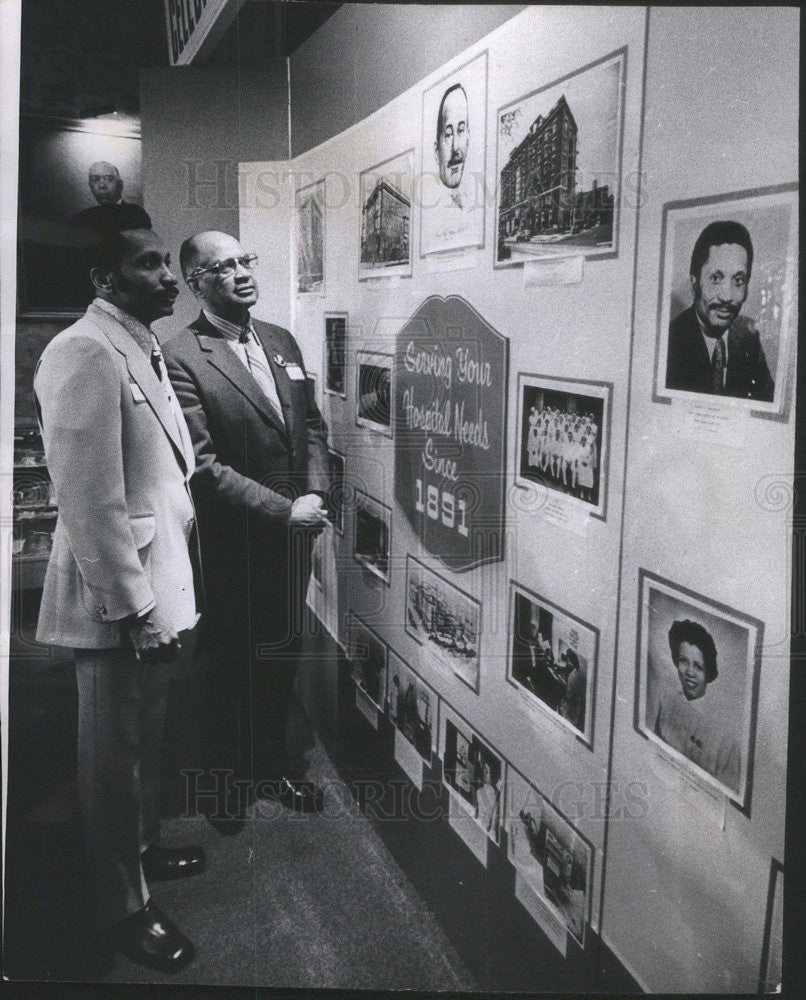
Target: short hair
{"x":450,"y":90}
{"x":716,"y":234}
{"x":695,"y":635}
{"x":571,"y":659}
{"x":104,"y":246}
{"x":187,"y":253}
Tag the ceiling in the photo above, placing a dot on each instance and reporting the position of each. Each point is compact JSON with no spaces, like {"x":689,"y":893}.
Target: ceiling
{"x":82,"y":58}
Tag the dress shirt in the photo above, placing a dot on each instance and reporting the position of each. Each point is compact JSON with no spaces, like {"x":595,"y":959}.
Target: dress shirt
{"x":251,"y":355}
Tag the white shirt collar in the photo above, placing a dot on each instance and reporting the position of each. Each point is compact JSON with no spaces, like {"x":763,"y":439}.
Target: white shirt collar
{"x":232,"y":331}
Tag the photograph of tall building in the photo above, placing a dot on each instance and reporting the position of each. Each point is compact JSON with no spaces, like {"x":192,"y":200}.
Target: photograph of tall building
{"x":558,"y":152}
{"x":386,"y":218}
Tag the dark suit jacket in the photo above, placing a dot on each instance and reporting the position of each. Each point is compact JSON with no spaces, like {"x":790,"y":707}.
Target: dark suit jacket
{"x":689,"y":366}
{"x":124,"y":215}
{"x":249,"y":467}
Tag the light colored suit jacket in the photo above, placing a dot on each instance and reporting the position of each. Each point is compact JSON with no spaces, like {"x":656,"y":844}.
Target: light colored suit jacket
{"x":116,"y":458}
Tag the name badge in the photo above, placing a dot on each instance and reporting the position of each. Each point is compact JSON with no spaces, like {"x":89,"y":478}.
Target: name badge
{"x":295,"y":373}
{"x":137,"y":393}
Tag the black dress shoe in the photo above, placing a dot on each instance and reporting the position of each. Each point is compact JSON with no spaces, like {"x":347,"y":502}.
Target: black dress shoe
{"x":300,"y":796}
{"x":149,"y":938}
{"x":161,"y":864}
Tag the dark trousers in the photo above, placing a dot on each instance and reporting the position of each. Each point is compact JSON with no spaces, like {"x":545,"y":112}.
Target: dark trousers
{"x":121,"y":724}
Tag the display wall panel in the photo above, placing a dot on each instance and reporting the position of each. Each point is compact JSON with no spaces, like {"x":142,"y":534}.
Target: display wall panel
{"x":706,"y":516}
{"x":566,"y":561}
{"x":593,"y":322}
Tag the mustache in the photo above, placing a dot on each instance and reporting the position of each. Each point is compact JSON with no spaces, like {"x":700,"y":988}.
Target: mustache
{"x":456,"y":158}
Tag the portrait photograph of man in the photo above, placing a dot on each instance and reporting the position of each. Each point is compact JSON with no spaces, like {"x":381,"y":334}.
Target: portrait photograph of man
{"x":73,"y":180}
{"x":696,"y":671}
{"x":452,"y":172}
{"x":724,"y":311}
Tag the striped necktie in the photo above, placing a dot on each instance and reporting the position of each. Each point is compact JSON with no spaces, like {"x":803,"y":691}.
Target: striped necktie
{"x":260,"y":370}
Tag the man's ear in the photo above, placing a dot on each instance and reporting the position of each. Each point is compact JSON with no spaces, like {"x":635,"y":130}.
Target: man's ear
{"x":695,"y":286}
{"x":193,"y":285}
{"x":101,"y":279}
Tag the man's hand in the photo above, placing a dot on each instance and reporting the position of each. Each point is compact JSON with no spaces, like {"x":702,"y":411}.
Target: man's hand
{"x":308,"y":511}
{"x":154,"y":639}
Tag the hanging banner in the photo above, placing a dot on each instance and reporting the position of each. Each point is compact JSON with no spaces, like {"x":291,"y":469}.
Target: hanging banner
{"x":451,"y":376}
{"x":195,"y":26}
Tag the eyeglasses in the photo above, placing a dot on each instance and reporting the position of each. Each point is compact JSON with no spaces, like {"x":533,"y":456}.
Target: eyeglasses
{"x":224,"y":268}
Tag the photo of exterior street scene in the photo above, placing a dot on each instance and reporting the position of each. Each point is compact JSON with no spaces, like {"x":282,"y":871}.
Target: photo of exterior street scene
{"x":558,"y":166}
{"x":445,"y":620}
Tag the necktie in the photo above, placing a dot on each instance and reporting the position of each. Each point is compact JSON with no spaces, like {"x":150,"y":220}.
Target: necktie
{"x":718,"y":366}
{"x":156,"y":360}
{"x":261,"y":371}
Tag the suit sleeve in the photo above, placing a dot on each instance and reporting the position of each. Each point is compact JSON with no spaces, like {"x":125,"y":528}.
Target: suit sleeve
{"x":78,"y":388}
{"x":213,"y":479}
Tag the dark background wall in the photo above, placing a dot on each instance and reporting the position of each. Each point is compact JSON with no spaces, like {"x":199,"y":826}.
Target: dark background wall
{"x":198,"y":123}
{"x":367,"y":54}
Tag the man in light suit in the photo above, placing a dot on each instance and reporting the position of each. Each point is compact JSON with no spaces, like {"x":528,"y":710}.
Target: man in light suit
{"x":712,"y":348}
{"x":261,"y":476}
{"x":119,"y":586}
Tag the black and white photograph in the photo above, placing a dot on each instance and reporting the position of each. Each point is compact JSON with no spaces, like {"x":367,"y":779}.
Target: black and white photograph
{"x":412,"y":707}
{"x":77,"y":178}
{"x":697,"y":676}
{"x":563,"y":439}
{"x":445,"y":621}
{"x":452,"y":188}
{"x":373,"y":402}
{"x":337,"y":496}
{"x":372,"y":534}
{"x":559,"y":156}
{"x":726,"y":287}
{"x":311,"y":211}
{"x":336,"y":354}
{"x":386,"y":211}
{"x":555,"y":860}
{"x":368,"y":655}
{"x":553,"y":658}
{"x":473,"y":771}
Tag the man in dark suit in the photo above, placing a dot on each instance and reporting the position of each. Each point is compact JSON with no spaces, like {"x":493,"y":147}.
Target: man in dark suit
{"x":261,"y":475}
{"x":119,"y":586}
{"x":712,"y":349}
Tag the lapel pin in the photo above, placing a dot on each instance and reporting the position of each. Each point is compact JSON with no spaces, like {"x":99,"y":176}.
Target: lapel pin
{"x":279,"y":360}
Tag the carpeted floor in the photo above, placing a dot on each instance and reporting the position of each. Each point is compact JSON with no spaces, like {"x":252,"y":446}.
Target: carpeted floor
{"x":303,"y":901}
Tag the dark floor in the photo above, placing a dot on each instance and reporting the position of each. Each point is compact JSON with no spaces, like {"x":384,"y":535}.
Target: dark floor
{"x":364,"y":897}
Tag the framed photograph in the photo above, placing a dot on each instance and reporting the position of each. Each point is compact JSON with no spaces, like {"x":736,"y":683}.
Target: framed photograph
{"x":444,"y":620}
{"x":310,"y":205}
{"x":697,"y":680}
{"x":474,"y":773}
{"x":564,"y":439}
{"x":412,"y":707}
{"x":373,"y":403}
{"x":372,"y":534}
{"x":75,"y":177}
{"x":553,"y":660}
{"x":335,"y":361}
{"x":337,"y":495}
{"x":385,"y":192}
{"x":368,"y":655}
{"x":559,"y":166}
{"x":725,"y":300}
{"x":550,"y":854}
{"x":454,"y":142}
